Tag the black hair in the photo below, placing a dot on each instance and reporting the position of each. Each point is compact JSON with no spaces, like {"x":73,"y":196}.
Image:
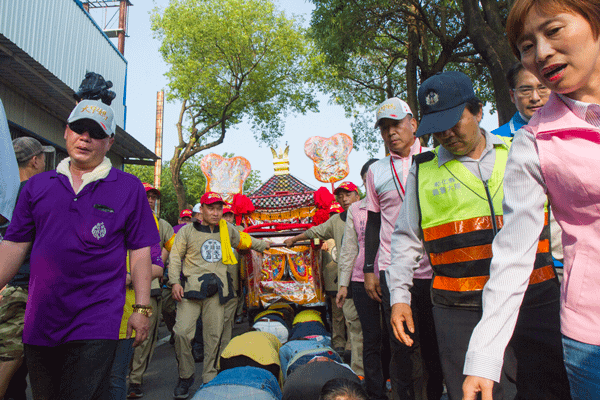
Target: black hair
{"x":474,"y":105}
{"x":339,"y":387}
{"x":365,"y":167}
{"x":511,"y":75}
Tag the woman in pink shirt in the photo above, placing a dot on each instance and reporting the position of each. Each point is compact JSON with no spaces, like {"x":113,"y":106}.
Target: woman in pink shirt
{"x":558,"y":155}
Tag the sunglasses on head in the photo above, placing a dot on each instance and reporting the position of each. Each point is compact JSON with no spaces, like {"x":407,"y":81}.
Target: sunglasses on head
{"x":92,"y":129}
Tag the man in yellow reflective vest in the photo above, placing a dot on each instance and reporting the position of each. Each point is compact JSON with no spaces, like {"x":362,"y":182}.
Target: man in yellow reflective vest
{"x":451,"y":213}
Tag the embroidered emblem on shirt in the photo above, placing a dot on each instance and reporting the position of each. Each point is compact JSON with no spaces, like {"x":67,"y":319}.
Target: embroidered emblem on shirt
{"x":432,"y":98}
{"x":99,"y":231}
{"x":211,"y":251}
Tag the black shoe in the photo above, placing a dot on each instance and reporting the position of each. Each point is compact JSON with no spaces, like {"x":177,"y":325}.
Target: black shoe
{"x":134,"y":391}
{"x":172,"y":339}
{"x":182,"y":391}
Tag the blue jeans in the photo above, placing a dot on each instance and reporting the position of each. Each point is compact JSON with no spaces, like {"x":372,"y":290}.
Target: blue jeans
{"x":120,"y":368}
{"x":582,"y":361}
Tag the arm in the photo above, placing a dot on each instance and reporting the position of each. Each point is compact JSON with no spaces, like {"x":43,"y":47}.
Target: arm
{"x":158,"y":265}
{"x":407,"y":251}
{"x":140,"y":278}
{"x":290,"y":241}
{"x":347,"y":257}
{"x":175,"y":264}
{"x":371,"y":247}
{"x":514,"y":251}
{"x":12,"y":255}
{"x":323,"y":232}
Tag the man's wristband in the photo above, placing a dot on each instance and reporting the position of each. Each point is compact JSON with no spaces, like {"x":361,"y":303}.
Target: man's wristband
{"x":142,"y":309}
{"x":369,"y":269}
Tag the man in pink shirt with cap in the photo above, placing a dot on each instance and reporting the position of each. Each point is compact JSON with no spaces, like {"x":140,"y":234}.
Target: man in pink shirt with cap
{"x":385,"y":192}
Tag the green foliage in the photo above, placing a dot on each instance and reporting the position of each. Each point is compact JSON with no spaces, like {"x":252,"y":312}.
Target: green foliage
{"x":366,"y":46}
{"x":233,"y":60}
{"x":193,"y":180}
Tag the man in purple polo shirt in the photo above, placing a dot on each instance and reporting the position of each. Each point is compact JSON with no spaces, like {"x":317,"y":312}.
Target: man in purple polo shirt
{"x":84,"y":217}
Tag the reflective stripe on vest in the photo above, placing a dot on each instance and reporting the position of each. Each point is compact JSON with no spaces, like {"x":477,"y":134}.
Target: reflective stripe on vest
{"x":458,"y":229}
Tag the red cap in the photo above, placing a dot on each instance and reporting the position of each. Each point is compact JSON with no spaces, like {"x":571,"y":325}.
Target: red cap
{"x":227,"y":208}
{"x":211,"y":197}
{"x":335,"y":208}
{"x":185,"y":213}
{"x":348,"y":186}
{"x":149,"y":187}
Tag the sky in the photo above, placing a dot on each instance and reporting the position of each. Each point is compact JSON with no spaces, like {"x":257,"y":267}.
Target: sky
{"x":145,"y":77}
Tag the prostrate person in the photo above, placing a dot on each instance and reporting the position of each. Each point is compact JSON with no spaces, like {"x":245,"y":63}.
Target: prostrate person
{"x":376,"y":345}
{"x":386,"y":180}
{"x":527,"y":94}
{"x":143,"y":353}
{"x":346,"y":194}
{"x":202,"y":252}
{"x":556,"y":155}
{"x":249,"y":368}
{"x":31,"y":160}
{"x":84,"y":217}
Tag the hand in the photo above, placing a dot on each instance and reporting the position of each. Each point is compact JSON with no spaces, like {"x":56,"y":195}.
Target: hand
{"x":289,"y":242}
{"x":340,"y":299}
{"x":474,"y":385}
{"x":372,"y":286}
{"x":177,"y":291}
{"x":401,"y":313}
{"x":268,"y":245}
{"x":141,"y":325}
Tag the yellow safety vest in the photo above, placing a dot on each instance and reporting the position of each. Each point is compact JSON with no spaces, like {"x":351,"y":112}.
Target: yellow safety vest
{"x":460,"y":215}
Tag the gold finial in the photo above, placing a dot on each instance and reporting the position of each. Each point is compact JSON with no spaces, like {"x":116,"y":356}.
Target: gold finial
{"x":281,"y":162}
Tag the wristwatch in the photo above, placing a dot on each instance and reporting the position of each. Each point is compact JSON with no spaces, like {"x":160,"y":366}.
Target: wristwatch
{"x":142,"y":309}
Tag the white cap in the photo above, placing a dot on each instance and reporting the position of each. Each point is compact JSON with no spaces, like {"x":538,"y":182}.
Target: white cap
{"x":392,"y":108}
{"x":97,"y":111}
{"x":196,"y":208}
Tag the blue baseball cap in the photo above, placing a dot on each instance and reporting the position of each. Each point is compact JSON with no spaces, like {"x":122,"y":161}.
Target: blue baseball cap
{"x":442,"y":99}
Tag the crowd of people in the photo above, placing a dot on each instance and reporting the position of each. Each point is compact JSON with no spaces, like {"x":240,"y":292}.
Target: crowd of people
{"x":466,"y":270}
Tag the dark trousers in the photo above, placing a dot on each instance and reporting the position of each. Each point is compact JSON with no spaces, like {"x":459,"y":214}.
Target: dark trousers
{"x":18,"y":384}
{"x":77,"y":370}
{"x":422,"y":358}
{"x":537,"y":344}
{"x":425,"y":328}
{"x":454,"y":327}
{"x":376,"y":344}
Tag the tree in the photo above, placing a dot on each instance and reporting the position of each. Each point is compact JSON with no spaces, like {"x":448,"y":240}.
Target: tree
{"x":194,"y":184}
{"x":230,"y":60}
{"x":376,"y":49}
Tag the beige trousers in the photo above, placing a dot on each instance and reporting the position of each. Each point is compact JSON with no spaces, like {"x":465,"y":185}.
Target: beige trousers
{"x":338,"y":328}
{"x":143,"y":353}
{"x":229,"y":322}
{"x":213,"y":318}
{"x":355,"y":336}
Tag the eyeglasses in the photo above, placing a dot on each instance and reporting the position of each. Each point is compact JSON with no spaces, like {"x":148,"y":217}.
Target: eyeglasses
{"x":92,"y":129}
{"x":527,"y":91}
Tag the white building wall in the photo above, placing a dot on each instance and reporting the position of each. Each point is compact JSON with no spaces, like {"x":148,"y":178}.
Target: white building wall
{"x":62,"y":37}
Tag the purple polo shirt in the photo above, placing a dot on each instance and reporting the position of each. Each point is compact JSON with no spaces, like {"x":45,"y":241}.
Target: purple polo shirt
{"x":78,"y":271}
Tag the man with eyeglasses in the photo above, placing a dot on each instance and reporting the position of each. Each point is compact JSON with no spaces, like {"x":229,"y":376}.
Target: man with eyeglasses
{"x":84,"y":217}
{"x":527,"y":94}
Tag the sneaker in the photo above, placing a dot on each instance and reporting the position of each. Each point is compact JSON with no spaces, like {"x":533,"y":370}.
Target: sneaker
{"x":134,"y":391}
{"x":182,"y":391}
